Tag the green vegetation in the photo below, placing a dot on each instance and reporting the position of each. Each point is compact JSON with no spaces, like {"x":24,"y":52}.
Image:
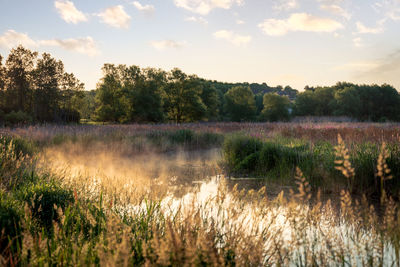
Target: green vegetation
{"x":36,"y":90}
{"x":60,"y":218}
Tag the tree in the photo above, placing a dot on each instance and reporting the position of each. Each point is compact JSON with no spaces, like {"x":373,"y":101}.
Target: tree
{"x":211,"y":100}
{"x":182,"y":97}
{"x":146,"y":96}
{"x":20,"y":64}
{"x":2,"y":84}
{"x":240,"y":104}
{"x":276,"y":107}
{"x":112,"y":100}
{"x":348,"y":102}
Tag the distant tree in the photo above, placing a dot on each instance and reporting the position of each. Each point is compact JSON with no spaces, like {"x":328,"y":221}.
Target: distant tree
{"x":240,"y":104}
{"x":146,"y":96}
{"x":112,"y":101}
{"x":276,"y":107}
{"x":348,"y":102}
{"x":2,"y":84}
{"x":259,"y":98}
{"x":305,"y":104}
{"x":182,"y":97}
{"x":20,"y":64}
{"x":211,"y":100}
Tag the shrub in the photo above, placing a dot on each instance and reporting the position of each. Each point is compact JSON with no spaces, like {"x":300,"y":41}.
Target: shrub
{"x":43,"y":199}
{"x":10,"y":226}
{"x":238,"y":152}
{"x":16,"y":118}
{"x":14,"y":166}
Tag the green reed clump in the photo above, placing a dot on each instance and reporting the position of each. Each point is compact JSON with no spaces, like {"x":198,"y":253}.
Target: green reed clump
{"x":11,"y":227}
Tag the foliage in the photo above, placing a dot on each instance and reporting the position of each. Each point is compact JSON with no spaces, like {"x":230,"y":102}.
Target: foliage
{"x":36,"y":88}
{"x":276,"y":108}
{"x":240,"y":104}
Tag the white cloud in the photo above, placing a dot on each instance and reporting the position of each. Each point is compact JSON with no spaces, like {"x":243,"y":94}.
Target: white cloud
{"x":361,"y":28}
{"x":12,"y":38}
{"x":390,"y":8}
{"x":147,"y":9}
{"x":69,"y":12}
{"x":285,"y":4}
{"x":240,"y":22}
{"x":165,"y":44}
{"x":85,"y":46}
{"x":232,"y":37}
{"x":115,"y":17}
{"x":336,"y":10}
{"x":200,"y":20}
{"x":358,"y":42}
{"x":203,"y":7}
{"x":299,"y":22}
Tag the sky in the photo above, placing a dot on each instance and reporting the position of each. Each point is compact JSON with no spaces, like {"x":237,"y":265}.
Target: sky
{"x":279,"y":42}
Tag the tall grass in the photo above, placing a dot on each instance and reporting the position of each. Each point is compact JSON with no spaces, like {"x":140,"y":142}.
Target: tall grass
{"x":51,"y":217}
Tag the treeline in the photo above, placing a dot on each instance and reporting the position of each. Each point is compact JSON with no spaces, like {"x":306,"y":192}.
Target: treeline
{"x":361,"y":102}
{"x":37,"y":89}
{"x":131,"y":94}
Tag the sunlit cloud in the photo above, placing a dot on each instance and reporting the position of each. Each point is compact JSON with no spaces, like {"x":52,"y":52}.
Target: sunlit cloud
{"x":285,"y":4}
{"x":203,"y":7}
{"x":240,"y":22}
{"x":68,"y":12}
{"x":115,"y":17}
{"x":299,"y":22}
{"x":230,"y":36}
{"x":85,"y":46}
{"x":336,"y":10}
{"x":11,"y":38}
{"x":200,"y":20}
{"x":358,"y":42}
{"x":147,"y":9}
{"x":361,"y":28}
{"x":390,"y":8}
{"x":167,"y":44}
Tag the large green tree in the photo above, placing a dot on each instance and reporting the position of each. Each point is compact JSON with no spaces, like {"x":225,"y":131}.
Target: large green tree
{"x":240,"y":104}
{"x":20,"y":64}
{"x":182,"y":97}
{"x":276,"y":107}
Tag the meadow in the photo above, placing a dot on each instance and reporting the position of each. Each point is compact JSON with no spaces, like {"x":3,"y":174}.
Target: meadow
{"x":201,"y":194}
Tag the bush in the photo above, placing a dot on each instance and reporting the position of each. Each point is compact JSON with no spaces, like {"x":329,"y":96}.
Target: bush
{"x":43,"y":198}
{"x":16,"y":118}
{"x":240,"y":152}
{"x":10,"y":226}
{"x":14,"y":166}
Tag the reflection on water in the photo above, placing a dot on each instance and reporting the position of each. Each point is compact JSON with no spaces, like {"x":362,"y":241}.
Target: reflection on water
{"x":187,"y":186}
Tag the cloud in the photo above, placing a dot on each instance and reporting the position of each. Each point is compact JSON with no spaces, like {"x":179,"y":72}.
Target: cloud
{"x":85,"y":46}
{"x":361,"y":28}
{"x":200,"y":20}
{"x":165,"y":44}
{"x":203,"y":7}
{"x":240,"y":22}
{"x":232,"y":37}
{"x":336,"y":10}
{"x":285,"y":4}
{"x":358,"y":42}
{"x":390,"y":8}
{"x":115,"y":17}
{"x":147,"y":9}
{"x":69,"y":13}
{"x":12,"y":38}
{"x":299,"y":22}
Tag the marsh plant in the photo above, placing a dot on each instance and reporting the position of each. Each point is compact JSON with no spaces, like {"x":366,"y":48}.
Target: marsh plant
{"x":113,"y":214}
